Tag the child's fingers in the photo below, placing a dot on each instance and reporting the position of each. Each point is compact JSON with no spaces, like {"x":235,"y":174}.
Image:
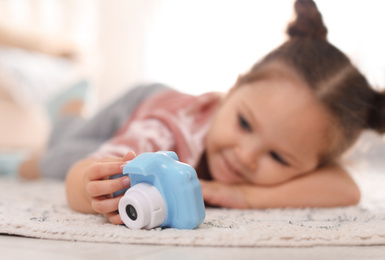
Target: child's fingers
{"x":129,"y":156}
{"x":114,"y":218}
{"x":103,"y":206}
{"x":223,"y":195}
{"x":105,"y":187}
{"x":110,"y":159}
{"x":103,"y":169}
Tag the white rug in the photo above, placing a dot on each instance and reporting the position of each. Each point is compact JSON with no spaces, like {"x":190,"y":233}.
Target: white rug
{"x":39,"y":209}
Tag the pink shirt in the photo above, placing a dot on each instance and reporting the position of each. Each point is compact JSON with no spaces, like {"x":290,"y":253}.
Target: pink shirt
{"x":169,"y":120}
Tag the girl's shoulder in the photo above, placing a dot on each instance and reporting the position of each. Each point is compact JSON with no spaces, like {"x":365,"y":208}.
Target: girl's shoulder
{"x":172,"y":100}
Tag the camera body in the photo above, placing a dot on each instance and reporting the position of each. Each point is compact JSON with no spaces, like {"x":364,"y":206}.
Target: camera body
{"x":164,"y":193}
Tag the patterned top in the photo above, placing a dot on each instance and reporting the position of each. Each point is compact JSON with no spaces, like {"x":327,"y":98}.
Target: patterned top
{"x":168,"y":120}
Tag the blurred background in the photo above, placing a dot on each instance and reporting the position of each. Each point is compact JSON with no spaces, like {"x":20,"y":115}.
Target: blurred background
{"x":195,"y":46}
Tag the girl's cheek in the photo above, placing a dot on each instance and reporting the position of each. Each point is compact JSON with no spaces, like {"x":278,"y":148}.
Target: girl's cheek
{"x":268,"y":173}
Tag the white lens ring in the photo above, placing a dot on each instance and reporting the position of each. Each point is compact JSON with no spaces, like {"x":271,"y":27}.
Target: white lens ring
{"x":142,"y":206}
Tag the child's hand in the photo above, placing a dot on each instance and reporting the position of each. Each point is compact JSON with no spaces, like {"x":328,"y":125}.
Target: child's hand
{"x":224,"y":195}
{"x":329,"y":186}
{"x":99,"y":187}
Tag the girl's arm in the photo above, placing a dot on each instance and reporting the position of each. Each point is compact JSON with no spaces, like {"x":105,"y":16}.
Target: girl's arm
{"x":89,"y":189}
{"x":329,"y":186}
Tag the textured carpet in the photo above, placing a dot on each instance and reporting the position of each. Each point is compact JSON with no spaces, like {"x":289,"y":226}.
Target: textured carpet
{"x":38,"y":209}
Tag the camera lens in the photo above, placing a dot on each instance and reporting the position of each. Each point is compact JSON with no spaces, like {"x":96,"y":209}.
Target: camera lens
{"x":131,"y":212}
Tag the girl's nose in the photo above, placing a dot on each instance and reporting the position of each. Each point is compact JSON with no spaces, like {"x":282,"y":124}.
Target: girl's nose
{"x":248,"y":155}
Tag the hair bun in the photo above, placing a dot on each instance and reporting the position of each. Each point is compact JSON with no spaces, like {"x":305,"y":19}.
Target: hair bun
{"x":308,"y":21}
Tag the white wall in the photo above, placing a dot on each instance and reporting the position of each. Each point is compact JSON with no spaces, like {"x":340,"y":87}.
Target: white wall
{"x":194,"y":45}
{"x":122,"y":28}
{"x":204,"y":44}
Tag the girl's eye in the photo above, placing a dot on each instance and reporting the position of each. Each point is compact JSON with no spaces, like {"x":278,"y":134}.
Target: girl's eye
{"x":278,"y":158}
{"x":244,"y":124}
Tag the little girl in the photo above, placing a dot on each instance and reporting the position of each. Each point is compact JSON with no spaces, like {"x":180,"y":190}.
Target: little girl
{"x":272,"y":141}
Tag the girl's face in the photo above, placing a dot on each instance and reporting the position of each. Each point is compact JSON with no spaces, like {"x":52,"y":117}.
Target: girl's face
{"x":266,"y":133}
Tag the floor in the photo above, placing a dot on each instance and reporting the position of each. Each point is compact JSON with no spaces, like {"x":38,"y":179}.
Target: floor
{"x":13,"y":247}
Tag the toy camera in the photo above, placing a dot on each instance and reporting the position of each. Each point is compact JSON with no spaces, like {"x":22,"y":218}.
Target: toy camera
{"x":164,"y":193}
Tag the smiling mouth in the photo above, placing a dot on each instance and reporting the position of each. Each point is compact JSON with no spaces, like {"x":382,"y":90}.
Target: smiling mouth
{"x":233,"y":171}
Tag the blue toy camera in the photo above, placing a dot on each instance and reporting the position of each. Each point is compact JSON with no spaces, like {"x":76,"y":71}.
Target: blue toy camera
{"x":164,"y":193}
